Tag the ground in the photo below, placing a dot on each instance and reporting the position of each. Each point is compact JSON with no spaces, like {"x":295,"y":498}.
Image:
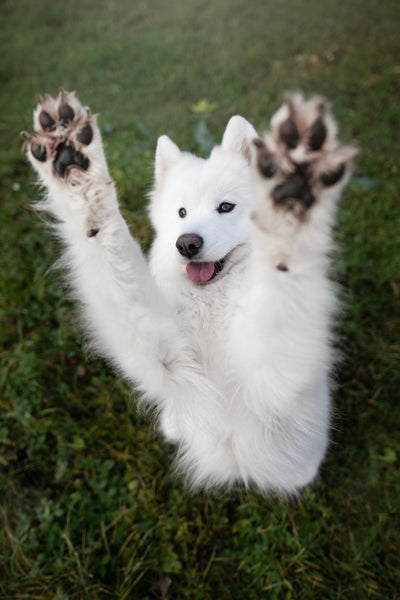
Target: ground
{"x":89,"y":509}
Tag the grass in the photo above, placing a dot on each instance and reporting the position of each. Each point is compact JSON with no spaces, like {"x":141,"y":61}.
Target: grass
{"x":88,"y":509}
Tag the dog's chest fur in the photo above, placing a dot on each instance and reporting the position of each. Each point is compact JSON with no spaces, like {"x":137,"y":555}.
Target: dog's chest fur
{"x":206,"y":314}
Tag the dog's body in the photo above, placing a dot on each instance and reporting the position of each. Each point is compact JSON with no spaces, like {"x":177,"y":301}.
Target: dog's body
{"x":227,"y":330}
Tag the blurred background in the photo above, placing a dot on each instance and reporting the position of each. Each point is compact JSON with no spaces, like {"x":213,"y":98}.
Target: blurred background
{"x":88,"y":506}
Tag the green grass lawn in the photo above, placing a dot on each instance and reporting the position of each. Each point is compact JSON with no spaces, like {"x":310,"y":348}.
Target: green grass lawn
{"x":88,"y":507}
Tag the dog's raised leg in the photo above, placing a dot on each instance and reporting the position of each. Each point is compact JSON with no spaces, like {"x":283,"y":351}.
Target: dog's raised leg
{"x":126,"y":316}
{"x":299,"y":172}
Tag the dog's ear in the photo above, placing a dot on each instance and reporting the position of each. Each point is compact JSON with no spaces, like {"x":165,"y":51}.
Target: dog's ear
{"x":238,"y":137}
{"x":167,"y":154}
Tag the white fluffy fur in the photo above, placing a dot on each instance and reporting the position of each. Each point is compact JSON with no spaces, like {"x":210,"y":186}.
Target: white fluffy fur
{"x":237,"y":368}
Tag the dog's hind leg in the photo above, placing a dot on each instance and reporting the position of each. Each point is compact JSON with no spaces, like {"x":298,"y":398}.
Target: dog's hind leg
{"x":125,"y":313}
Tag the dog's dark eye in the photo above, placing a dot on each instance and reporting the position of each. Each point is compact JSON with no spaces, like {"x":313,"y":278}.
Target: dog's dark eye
{"x":225,"y":207}
{"x":182,"y":213}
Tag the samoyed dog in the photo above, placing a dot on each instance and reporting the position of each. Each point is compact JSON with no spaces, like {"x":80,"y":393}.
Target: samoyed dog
{"x":226,"y":330}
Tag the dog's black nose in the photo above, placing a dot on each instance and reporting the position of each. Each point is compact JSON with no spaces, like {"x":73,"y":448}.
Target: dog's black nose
{"x":189,"y":244}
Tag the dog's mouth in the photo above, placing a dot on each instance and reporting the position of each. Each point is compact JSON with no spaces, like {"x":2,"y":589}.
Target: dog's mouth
{"x":202,"y":272}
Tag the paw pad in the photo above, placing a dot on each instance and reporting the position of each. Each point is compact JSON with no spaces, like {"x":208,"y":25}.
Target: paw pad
{"x":67,"y":156}
{"x":329,"y":178}
{"x":47,"y":121}
{"x":66,"y":114}
{"x":39,"y":152}
{"x":265,"y":161}
{"x":295,"y":188}
{"x":289,"y":133}
{"x":317,"y":135}
{"x":85,"y":135}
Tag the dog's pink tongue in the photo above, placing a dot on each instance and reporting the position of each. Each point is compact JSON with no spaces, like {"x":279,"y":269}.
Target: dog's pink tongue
{"x":200,"y":271}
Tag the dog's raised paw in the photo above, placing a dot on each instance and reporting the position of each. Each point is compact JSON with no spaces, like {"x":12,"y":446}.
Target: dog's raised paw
{"x":300,"y":157}
{"x":64,"y":130}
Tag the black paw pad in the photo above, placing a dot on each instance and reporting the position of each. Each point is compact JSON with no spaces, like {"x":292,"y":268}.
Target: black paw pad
{"x":317,"y":136}
{"x":266,"y":166}
{"x":39,"y":152}
{"x":46,"y":121}
{"x":265,"y":163}
{"x":289,"y":133}
{"x":331,"y":177}
{"x":296,"y":187}
{"x":66,"y":113}
{"x":67,"y":156}
{"x":85,"y":135}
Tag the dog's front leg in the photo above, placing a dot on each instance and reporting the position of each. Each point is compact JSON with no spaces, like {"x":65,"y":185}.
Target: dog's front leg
{"x":299,"y":172}
{"x":124,"y":311}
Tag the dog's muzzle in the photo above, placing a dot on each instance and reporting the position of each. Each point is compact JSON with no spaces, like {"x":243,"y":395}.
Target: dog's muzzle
{"x":189,"y":245}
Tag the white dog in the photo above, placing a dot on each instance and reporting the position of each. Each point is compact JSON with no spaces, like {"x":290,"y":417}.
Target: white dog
{"x":227,"y":331}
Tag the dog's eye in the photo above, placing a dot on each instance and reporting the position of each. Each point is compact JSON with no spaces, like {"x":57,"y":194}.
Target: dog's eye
{"x":182,"y":213}
{"x":225,"y":207}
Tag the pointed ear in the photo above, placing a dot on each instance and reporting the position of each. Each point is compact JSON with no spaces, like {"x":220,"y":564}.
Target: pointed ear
{"x":167,"y":154}
{"x":238,"y":136}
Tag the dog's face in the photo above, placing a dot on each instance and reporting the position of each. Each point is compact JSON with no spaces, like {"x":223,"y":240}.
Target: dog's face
{"x":200,"y":208}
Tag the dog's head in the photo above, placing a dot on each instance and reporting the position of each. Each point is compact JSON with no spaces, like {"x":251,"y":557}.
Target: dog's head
{"x":200,"y":208}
